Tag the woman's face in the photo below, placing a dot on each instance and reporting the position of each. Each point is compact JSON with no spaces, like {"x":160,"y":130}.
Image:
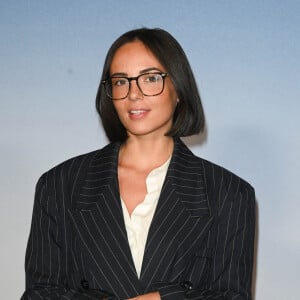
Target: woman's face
{"x":142,"y":115}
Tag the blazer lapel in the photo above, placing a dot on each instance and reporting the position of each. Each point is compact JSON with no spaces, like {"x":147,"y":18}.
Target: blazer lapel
{"x":181,"y":220}
{"x":99,"y":224}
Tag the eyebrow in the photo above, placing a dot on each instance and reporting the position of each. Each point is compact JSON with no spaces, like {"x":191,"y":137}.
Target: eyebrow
{"x":141,"y":72}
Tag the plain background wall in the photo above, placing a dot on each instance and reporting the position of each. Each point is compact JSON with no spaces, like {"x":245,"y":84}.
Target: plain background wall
{"x":245,"y":56}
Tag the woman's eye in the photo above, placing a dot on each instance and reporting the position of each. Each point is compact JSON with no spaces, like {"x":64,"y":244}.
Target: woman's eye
{"x":119,"y":82}
{"x":152,"y":77}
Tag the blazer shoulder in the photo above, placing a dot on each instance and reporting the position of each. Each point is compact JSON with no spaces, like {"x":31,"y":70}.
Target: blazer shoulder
{"x":214,"y":175}
{"x":218,"y":182}
{"x":63,"y":182}
{"x":219,"y":179}
{"x":73,"y":168}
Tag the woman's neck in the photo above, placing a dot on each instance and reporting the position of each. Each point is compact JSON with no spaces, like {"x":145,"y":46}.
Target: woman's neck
{"x":145,"y":154}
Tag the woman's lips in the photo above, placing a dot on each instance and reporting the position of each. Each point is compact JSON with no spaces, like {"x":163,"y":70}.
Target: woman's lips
{"x":137,"y":113}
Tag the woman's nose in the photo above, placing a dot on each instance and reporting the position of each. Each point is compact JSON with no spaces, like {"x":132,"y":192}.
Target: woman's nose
{"x":135,"y":92}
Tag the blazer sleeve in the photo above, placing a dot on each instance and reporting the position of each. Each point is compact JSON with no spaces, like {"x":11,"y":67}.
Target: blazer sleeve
{"x":46,"y":262}
{"x":231,"y":264}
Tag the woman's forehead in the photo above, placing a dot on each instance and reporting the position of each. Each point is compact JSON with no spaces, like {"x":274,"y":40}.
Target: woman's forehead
{"x":134,"y":56}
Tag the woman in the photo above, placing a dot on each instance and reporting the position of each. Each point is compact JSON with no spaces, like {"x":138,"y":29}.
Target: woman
{"x":142,"y":218}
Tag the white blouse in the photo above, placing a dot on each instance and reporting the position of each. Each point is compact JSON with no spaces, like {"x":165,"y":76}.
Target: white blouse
{"x":137,"y":225}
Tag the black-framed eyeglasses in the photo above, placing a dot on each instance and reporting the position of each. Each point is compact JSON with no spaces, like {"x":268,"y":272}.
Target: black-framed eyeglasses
{"x":150,"y":84}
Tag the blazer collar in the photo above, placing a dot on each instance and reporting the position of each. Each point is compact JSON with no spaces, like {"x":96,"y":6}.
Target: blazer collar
{"x":185,"y":174}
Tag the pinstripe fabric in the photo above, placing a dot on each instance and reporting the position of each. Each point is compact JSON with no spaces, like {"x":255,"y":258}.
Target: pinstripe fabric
{"x":199,"y":246}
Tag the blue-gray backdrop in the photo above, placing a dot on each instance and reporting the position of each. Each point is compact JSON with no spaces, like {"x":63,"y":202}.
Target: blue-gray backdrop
{"x":245,"y":56}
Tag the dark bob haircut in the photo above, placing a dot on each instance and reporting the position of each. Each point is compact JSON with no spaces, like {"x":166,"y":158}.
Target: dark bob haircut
{"x":188,"y":116}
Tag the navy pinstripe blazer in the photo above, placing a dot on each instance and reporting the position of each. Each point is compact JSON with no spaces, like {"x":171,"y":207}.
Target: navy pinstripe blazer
{"x":199,"y":246}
